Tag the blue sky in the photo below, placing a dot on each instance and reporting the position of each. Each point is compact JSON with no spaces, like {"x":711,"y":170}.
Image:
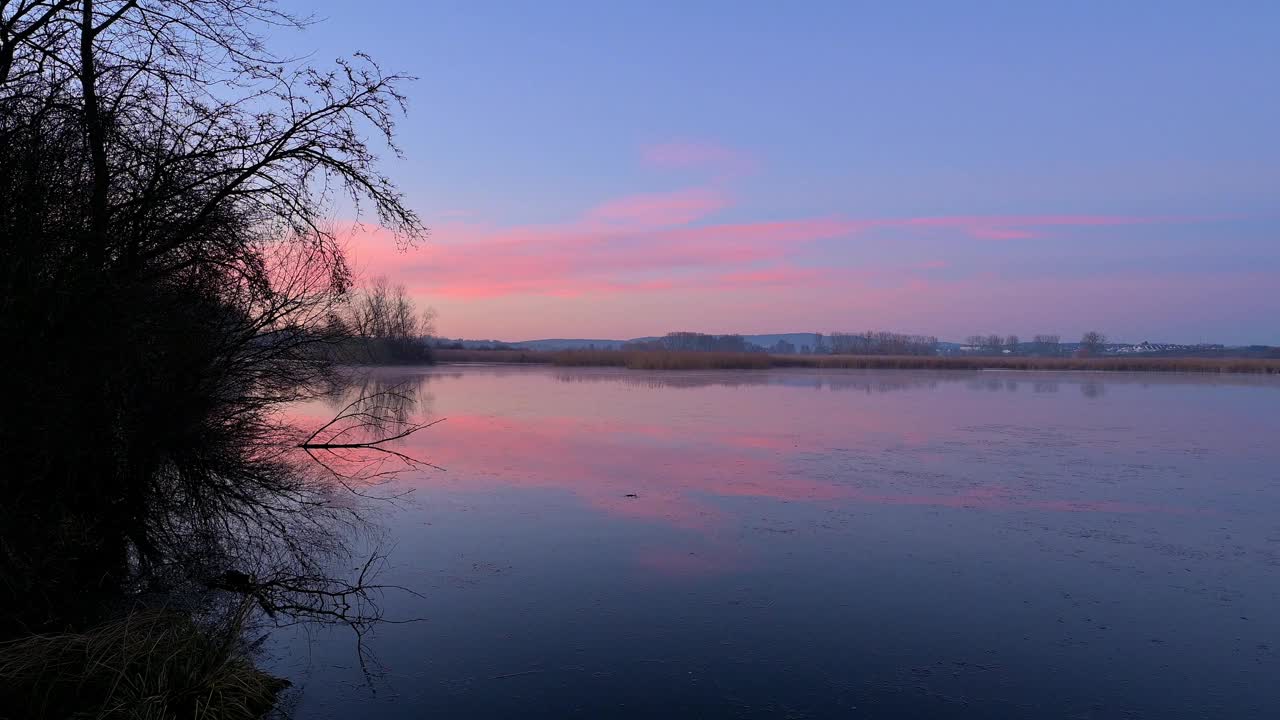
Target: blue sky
{"x":979,"y":167}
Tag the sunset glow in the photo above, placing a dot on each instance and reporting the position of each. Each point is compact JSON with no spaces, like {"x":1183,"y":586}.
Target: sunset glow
{"x":864,"y":173}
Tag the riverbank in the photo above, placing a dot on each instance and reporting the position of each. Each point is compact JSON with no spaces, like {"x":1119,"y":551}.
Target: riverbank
{"x":659,"y":360}
{"x":148,"y":663}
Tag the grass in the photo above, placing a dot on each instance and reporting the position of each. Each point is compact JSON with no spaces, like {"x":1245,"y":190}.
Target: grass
{"x":662,"y":360}
{"x":150,"y":665}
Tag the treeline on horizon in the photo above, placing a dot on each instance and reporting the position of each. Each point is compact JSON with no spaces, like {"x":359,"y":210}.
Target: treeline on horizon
{"x":383,"y":326}
{"x":879,"y":342}
{"x":867,"y":343}
{"x":703,"y":360}
{"x":880,"y":350}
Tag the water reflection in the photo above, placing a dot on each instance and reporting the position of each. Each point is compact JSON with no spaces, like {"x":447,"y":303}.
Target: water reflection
{"x":391,"y":396}
{"x":618,"y":543}
{"x":817,"y":380}
{"x":1092,"y":389}
{"x":675,"y":457}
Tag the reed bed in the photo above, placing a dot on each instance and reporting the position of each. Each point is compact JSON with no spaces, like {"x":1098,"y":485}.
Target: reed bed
{"x":1115,"y":364}
{"x":658,"y":360}
{"x":698,"y":361}
{"x":668,"y":360}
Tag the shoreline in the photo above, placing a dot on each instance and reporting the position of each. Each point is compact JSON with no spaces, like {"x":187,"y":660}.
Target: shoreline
{"x":664,"y":360}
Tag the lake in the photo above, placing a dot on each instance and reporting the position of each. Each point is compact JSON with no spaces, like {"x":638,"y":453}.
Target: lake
{"x":606,"y":543}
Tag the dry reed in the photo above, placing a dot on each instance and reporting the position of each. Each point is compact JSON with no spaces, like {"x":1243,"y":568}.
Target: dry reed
{"x":669,"y":360}
{"x":148,"y":665}
{"x":658,"y":360}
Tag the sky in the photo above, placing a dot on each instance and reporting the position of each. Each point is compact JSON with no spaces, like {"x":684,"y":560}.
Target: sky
{"x":614,"y":170}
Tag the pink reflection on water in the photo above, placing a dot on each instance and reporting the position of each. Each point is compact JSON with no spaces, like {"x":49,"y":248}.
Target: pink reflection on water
{"x":648,"y":472}
{"x":635,"y":471}
{"x":683,"y":454}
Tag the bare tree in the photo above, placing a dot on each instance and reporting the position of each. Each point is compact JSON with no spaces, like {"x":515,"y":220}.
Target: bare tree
{"x":1046,"y":344}
{"x":183,"y":110}
{"x":1092,"y":343}
{"x":879,"y":342}
{"x":164,"y":187}
{"x":387,"y":324}
{"x":1011,"y":343}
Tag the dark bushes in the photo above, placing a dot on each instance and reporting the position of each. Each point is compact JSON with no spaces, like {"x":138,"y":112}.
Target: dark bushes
{"x":166,"y":284}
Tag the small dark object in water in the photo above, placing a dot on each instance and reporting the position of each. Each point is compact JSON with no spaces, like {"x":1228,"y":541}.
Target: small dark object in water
{"x":631,"y":495}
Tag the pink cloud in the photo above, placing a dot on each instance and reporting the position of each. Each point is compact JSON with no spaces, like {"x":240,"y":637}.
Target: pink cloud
{"x":661,"y":209}
{"x":686,"y":154}
{"x":999,"y":233}
{"x":637,"y":243}
{"x":784,"y":276}
{"x":662,"y":242}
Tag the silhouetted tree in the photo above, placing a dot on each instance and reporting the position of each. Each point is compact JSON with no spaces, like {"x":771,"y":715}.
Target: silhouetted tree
{"x":882,"y":343}
{"x":170,"y":280}
{"x":1092,"y":343}
{"x":1046,"y":344}
{"x":387,"y":325}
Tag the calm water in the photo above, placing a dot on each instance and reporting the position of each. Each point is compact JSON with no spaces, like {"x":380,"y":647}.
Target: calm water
{"x":798,"y":544}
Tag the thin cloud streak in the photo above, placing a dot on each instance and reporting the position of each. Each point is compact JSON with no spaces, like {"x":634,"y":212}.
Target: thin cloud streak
{"x":661,"y":241}
{"x":661,"y":209}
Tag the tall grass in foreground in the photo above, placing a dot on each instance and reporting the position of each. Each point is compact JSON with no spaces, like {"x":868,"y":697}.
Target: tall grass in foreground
{"x":150,"y":665}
